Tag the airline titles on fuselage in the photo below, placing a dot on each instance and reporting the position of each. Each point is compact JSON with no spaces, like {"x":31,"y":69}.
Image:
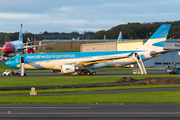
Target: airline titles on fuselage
{"x":50,"y":56}
{"x":65,"y":56}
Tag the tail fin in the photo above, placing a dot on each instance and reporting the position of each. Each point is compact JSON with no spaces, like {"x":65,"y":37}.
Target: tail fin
{"x":20,"y":34}
{"x":119,"y":37}
{"x":158,"y":39}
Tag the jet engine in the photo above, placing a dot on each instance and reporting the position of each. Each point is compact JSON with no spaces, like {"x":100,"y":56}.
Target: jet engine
{"x":69,"y":69}
{"x":154,"y":53}
{"x":30,"y":50}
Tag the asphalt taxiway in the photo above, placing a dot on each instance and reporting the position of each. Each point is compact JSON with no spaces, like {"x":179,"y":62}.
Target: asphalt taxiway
{"x":90,"y":111}
{"x":98,"y":74}
{"x":2,"y":61}
{"x":101,"y":92}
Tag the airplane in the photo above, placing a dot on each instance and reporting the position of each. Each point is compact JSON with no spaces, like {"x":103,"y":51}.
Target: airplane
{"x":14,"y":46}
{"x":86,"y":62}
{"x":18,"y":45}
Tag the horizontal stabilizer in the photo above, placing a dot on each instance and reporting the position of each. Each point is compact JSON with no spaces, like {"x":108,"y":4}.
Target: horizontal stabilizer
{"x":154,"y":53}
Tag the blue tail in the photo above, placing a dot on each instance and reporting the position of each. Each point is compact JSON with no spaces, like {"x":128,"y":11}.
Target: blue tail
{"x":158,"y":39}
{"x":20,"y":34}
{"x":119,"y":37}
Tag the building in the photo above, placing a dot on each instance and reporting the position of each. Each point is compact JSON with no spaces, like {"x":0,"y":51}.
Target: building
{"x":111,"y":46}
{"x":73,"y":44}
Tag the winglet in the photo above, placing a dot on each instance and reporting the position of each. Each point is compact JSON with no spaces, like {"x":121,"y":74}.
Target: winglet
{"x":20,"y":34}
{"x":130,"y":54}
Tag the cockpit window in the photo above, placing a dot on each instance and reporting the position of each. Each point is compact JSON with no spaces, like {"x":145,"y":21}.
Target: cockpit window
{"x":12,"y":59}
{"x":6,"y":46}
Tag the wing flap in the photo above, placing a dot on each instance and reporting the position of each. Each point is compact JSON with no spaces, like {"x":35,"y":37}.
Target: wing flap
{"x":86,"y":63}
{"x":154,"y":54}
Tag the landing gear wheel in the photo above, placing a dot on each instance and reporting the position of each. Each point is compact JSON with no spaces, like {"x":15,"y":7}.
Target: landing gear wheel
{"x":93,"y":73}
{"x":82,"y":73}
{"x":88,"y":73}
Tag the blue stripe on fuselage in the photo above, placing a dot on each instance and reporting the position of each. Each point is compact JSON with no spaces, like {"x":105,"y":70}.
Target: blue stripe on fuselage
{"x":55,"y":56}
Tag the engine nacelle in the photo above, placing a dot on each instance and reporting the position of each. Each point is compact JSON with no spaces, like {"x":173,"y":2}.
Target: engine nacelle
{"x":30,"y":50}
{"x":69,"y":69}
{"x":99,"y":65}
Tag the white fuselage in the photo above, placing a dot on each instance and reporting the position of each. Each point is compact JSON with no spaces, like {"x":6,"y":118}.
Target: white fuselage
{"x":36,"y":62}
{"x":18,"y":45}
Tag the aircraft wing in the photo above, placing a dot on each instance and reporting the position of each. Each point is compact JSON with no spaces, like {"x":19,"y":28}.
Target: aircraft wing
{"x":91,"y":62}
{"x":30,"y":42}
{"x":86,"y":63}
{"x":39,"y":45}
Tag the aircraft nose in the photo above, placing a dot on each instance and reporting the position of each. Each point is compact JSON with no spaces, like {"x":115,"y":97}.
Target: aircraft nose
{"x":5,"y":50}
{"x":8,"y":47}
{"x":9,"y":63}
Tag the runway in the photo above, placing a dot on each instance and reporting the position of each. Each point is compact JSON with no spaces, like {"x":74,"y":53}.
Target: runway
{"x":90,"y":111}
{"x":98,"y":74}
{"x":2,"y":62}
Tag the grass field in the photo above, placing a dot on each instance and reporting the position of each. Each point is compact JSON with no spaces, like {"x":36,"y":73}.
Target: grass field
{"x":69,"y":80}
{"x":132,"y":97}
{"x":64,"y":90}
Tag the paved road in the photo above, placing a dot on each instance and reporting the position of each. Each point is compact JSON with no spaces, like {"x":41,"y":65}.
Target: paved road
{"x":2,"y":61}
{"x":98,"y":74}
{"x":104,"y":91}
{"x":90,"y":111}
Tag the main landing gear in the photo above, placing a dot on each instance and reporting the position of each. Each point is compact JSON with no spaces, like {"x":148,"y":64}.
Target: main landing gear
{"x":87,"y":73}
